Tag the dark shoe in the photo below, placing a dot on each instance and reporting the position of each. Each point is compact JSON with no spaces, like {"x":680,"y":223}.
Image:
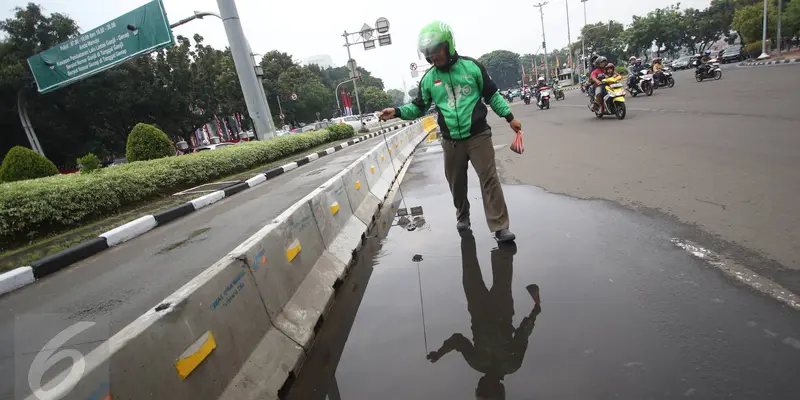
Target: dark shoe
{"x":463,"y":224}
{"x":504,"y":235}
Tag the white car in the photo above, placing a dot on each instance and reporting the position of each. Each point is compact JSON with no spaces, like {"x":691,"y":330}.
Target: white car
{"x":212,"y":147}
{"x":349,"y":120}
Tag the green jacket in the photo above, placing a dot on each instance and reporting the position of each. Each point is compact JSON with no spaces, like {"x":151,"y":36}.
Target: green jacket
{"x":457,"y":90}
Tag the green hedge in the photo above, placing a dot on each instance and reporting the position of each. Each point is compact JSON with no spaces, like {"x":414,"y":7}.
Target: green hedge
{"x":35,"y":208}
{"x":21,"y":163}
{"x":341,"y":131}
{"x":146,"y":142}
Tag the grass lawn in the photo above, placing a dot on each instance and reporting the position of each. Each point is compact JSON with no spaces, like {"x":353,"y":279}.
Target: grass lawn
{"x":58,"y":241}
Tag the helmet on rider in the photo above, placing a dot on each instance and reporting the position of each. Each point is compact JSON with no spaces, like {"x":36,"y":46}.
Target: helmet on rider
{"x":609,"y":69}
{"x":708,"y":52}
{"x":600,"y":62}
{"x":632,"y":60}
{"x":638,"y":61}
{"x":433,"y":38}
{"x":657,"y":60}
{"x":541,"y":79}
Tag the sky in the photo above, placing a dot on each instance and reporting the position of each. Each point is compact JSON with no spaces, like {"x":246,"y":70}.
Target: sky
{"x":304,"y":28}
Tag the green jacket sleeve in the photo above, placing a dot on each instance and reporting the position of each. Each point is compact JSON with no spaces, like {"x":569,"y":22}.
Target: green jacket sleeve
{"x":418,"y":106}
{"x":491,"y":95}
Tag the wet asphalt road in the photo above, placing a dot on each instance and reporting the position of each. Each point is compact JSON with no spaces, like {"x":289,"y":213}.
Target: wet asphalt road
{"x":623,"y":312}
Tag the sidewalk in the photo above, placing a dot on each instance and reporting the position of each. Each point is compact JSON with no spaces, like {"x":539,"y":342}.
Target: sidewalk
{"x":623,"y":313}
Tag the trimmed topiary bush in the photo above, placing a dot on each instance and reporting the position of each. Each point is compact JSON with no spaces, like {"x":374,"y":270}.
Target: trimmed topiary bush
{"x":341,"y":132}
{"x":89,"y":163}
{"x":146,"y":142}
{"x":22,"y":163}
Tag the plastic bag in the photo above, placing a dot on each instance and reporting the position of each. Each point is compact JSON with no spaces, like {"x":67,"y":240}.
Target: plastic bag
{"x":516,"y":145}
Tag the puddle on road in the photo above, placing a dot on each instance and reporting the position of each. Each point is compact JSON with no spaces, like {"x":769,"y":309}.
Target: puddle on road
{"x":623,"y":313}
{"x":191,"y":238}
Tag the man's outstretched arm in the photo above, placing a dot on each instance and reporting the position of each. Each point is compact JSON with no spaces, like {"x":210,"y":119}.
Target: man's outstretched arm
{"x":456,"y":342}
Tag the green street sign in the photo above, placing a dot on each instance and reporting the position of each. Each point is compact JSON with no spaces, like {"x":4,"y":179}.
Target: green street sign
{"x":138,"y":32}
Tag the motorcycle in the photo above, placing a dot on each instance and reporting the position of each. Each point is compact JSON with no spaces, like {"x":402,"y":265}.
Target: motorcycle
{"x":614,"y":99}
{"x":665,"y":80}
{"x":644,"y":84}
{"x":712,"y":71}
{"x":558,"y":92}
{"x":544,"y":97}
{"x":526,"y":98}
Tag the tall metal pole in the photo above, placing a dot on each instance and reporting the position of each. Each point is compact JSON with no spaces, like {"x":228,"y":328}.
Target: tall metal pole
{"x":780,"y":5}
{"x":544,"y":41}
{"x":583,"y":39}
{"x":569,"y":38}
{"x":764,"y":35}
{"x":355,"y":86}
{"x":244,"y":69}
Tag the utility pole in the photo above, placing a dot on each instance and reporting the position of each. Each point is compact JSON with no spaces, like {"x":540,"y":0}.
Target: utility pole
{"x":780,"y":5}
{"x":253,"y":96}
{"x":764,"y":36}
{"x":583,"y":39}
{"x":569,"y":38}
{"x":355,"y":86}
{"x":544,"y":41}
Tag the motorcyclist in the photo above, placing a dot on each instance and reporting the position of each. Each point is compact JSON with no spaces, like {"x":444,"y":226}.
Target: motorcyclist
{"x":633,"y":79}
{"x":539,"y":85}
{"x":658,"y":75}
{"x":703,"y":62}
{"x":599,"y":89}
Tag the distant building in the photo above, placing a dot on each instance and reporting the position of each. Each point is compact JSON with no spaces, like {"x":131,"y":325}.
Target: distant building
{"x":323,"y":60}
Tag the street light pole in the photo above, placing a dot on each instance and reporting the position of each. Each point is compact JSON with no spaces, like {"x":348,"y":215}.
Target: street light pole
{"x":764,"y":36}
{"x":256,"y":107}
{"x":355,"y":86}
{"x":544,"y":41}
{"x":780,"y":5}
{"x":583,"y":39}
{"x":569,"y":37}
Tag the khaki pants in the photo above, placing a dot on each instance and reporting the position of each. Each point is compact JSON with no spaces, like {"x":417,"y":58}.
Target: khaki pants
{"x":479,"y":150}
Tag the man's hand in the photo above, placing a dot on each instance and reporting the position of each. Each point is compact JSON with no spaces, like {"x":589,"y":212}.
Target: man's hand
{"x":515,"y":125}
{"x":434,"y":356}
{"x":387,"y":114}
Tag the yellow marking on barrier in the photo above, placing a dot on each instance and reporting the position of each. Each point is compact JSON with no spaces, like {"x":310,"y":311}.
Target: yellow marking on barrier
{"x":395,"y":146}
{"x":195,"y":354}
{"x":293,"y":250}
{"x":335,"y":207}
{"x":372,"y":169}
{"x":381,"y":157}
{"x":358,"y":185}
{"x":390,"y":150}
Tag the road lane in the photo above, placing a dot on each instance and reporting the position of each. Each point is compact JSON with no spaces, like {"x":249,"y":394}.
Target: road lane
{"x":624,"y":313}
{"x":720,"y":155}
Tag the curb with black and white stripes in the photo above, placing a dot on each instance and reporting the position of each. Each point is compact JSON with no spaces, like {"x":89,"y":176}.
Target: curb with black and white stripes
{"x":761,"y":63}
{"x":22,"y":276}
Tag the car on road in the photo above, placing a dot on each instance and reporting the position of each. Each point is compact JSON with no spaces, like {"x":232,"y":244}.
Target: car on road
{"x":316,"y":126}
{"x":212,"y":147}
{"x":732,"y":54}
{"x":681,"y":63}
{"x":351,"y":120}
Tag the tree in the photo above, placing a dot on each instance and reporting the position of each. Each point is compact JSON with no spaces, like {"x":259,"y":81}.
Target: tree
{"x":604,"y":38}
{"x":748,"y":21}
{"x":398,"y":97}
{"x":413,"y":92}
{"x":791,"y":19}
{"x":503,"y":66}
{"x":374,"y":99}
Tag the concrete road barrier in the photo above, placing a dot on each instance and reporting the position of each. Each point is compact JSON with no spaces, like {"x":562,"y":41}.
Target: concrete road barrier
{"x":243,"y":326}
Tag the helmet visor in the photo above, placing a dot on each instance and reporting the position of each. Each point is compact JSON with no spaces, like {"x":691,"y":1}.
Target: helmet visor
{"x":430,"y":43}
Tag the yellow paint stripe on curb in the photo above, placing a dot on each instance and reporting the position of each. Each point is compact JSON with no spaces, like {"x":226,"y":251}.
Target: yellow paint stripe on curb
{"x":358,"y":185}
{"x":293,"y":250}
{"x":335,"y":207}
{"x":195,"y":354}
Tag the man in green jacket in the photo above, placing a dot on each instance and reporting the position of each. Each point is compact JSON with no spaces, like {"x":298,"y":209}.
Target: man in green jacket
{"x":456,"y":85}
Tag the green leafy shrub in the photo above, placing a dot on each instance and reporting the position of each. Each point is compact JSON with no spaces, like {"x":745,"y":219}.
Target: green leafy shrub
{"x":341,"y":132}
{"x":89,"y":163}
{"x":22,"y":163}
{"x":146,"y":142}
{"x":33,"y":208}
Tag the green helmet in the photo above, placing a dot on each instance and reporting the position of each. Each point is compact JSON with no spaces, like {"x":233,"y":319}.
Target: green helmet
{"x":435,"y":36}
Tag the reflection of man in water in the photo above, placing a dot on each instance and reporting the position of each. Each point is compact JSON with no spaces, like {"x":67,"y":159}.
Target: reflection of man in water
{"x":498,"y":348}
